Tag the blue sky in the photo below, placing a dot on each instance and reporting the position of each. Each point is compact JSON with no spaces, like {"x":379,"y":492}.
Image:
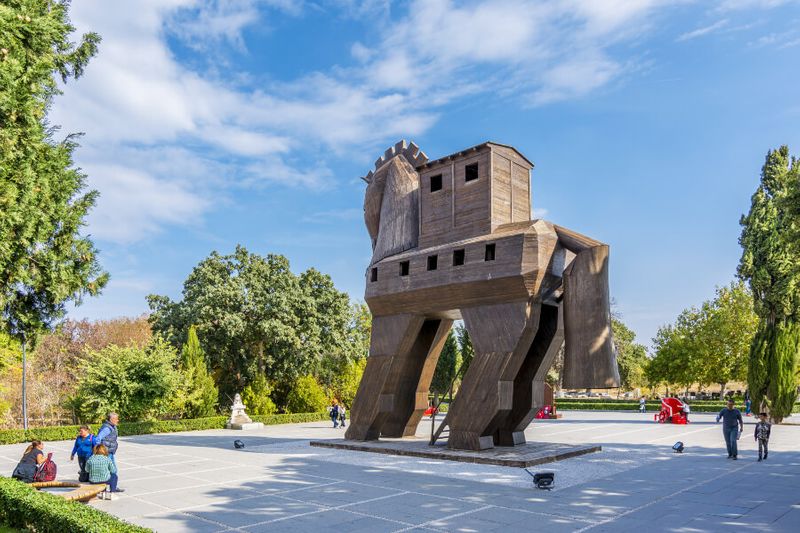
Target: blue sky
{"x":209,"y":124}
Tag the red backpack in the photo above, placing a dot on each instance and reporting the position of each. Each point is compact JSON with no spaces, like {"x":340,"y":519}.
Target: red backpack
{"x":47,"y":470}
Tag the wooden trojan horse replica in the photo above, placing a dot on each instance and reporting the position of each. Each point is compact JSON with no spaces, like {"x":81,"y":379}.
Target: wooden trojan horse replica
{"x":453,"y":239}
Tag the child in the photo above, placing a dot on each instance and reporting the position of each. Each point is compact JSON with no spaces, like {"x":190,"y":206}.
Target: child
{"x":762,"y":435}
{"x":342,"y":415}
{"x":84,"y":444}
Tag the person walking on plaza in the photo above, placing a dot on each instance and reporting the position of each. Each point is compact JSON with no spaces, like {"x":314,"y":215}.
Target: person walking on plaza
{"x":762,"y":436}
{"x":747,"y":403}
{"x":642,"y":404}
{"x":102,"y":469}
{"x":84,"y":444}
{"x":686,"y":410}
{"x":107,"y":436}
{"x":342,"y":415}
{"x":334,"y":413}
{"x":732,"y":427}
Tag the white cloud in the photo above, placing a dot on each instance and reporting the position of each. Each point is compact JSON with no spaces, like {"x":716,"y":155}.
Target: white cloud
{"x":541,"y":51}
{"x":135,"y":204}
{"x":699,"y":32}
{"x":138,"y":104}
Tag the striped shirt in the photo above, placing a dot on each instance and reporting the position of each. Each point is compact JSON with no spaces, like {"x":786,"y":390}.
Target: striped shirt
{"x":100,"y":468}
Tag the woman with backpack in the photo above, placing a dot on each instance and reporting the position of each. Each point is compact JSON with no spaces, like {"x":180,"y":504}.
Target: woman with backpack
{"x":29,"y":464}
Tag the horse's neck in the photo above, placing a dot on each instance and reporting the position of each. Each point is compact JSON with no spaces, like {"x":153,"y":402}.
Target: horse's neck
{"x":399,"y":214}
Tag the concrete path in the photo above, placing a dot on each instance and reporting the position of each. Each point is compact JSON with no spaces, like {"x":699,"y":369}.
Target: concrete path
{"x":196,"y":481}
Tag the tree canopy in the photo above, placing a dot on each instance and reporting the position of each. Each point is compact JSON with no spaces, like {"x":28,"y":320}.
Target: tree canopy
{"x":705,"y":345}
{"x":45,"y":261}
{"x":254,"y":316}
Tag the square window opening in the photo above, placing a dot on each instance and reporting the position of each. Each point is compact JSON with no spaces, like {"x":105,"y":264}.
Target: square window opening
{"x":458,"y":257}
{"x":433,"y":262}
{"x":374,"y":275}
{"x":471,"y":172}
{"x":436,"y":183}
{"x":404,"y":268}
{"x":489,"y":254}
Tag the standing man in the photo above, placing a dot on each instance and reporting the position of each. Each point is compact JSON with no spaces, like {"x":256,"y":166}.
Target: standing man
{"x":107,"y":436}
{"x":732,"y":427}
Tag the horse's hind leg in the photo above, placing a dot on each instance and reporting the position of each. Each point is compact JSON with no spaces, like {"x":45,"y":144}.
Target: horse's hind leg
{"x":410,"y":378}
{"x":501,"y":336}
{"x":529,"y":382}
{"x":386,"y":395}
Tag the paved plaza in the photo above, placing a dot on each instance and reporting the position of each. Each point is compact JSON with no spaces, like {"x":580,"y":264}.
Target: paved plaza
{"x":197,"y":481}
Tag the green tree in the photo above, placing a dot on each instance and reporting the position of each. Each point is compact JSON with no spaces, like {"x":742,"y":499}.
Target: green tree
{"x":256,"y":397}
{"x":709,"y":344}
{"x":306,"y":396}
{"x":255,"y":317}
{"x":200,"y":391}
{"x":770,"y":263}
{"x":676,"y":351}
{"x":631,"y":357}
{"x":465,"y":343}
{"x":45,"y":261}
{"x":138,"y":383}
{"x":729,"y":324}
{"x":447,"y":365}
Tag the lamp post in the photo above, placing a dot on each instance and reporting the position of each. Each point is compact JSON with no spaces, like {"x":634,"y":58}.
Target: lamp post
{"x":24,"y":395}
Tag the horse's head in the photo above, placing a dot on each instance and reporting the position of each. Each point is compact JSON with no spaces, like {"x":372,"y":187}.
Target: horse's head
{"x":391,"y":212}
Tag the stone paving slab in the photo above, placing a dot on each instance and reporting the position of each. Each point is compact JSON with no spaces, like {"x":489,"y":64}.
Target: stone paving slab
{"x":526,"y":455}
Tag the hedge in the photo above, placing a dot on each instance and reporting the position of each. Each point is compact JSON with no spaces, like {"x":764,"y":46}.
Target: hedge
{"x":634,"y":406}
{"x":23,"y":507}
{"x":14,"y":436}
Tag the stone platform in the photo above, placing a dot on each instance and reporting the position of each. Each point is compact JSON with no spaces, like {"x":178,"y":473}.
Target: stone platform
{"x":530,"y":454}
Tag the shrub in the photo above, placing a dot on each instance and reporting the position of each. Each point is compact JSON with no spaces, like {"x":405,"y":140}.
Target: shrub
{"x":630,"y":406}
{"x":306,"y":396}
{"x":345,"y":383}
{"x":22,"y":506}
{"x":137,"y":383}
{"x":256,"y":397}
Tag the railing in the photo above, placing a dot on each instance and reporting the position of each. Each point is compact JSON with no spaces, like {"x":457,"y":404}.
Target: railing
{"x":435,"y":434}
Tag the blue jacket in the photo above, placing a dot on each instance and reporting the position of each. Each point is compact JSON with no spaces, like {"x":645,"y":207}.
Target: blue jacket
{"x":83,"y":447}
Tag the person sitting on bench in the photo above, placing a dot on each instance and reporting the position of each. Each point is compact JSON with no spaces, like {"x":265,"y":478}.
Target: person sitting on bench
{"x":101,"y":468}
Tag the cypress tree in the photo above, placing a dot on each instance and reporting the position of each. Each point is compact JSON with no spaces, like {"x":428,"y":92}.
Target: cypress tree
{"x":770,"y":263}
{"x":446,"y":366}
{"x":201,"y":392}
{"x":45,"y":261}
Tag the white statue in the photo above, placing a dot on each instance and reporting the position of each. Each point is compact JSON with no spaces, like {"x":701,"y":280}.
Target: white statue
{"x":239,"y":419}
